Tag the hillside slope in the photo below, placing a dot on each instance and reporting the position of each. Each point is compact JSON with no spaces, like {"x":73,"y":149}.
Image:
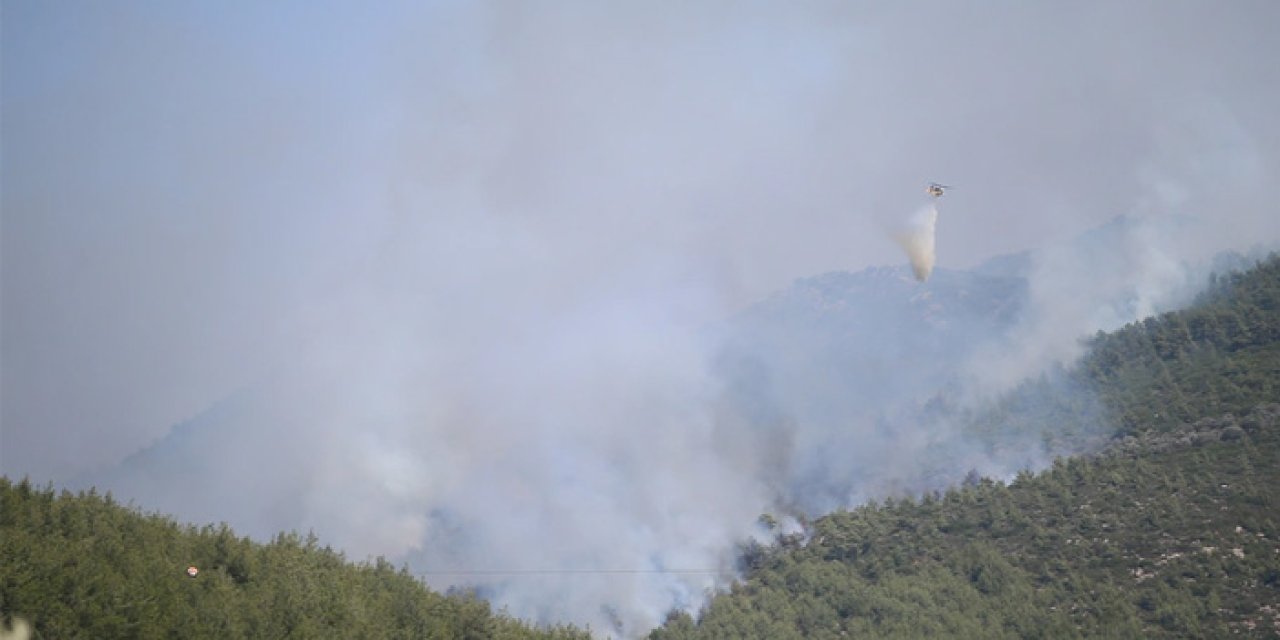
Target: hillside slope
{"x":1171,"y":532}
{"x":1167,"y":537}
{"x":1221,"y":354}
{"x":83,"y":566}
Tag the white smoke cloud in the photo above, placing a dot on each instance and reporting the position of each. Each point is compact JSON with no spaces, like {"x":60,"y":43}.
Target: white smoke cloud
{"x":1202,"y":192}
{"x":463,"y":258}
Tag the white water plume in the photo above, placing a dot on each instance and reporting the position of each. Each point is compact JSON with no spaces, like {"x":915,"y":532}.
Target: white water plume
{"x":918,"y":240}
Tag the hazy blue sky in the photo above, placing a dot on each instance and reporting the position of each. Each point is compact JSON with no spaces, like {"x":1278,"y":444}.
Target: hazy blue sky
{"x":411,"y":213}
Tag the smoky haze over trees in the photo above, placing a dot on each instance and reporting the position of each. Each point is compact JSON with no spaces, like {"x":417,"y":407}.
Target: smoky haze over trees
{"x":1170,"y":532}
{"x":450,"y":286}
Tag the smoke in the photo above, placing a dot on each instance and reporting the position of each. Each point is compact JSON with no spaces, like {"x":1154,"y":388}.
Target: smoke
{"x":473,"y":285}
{"x":918,"y":241}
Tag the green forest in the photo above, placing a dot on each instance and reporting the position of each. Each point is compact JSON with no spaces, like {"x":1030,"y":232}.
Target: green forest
{"x":83,"y":566}
{"x":1163,"y":537}
{"x":1220,"y":355}
{"x":1172,"y":530}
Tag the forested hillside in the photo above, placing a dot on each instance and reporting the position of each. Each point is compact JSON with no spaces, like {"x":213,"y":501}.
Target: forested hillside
{"x":1222,"y":354}
{"x":1167,"y":537}
{"x":82,"y":566}
{"x":1172,"y":531}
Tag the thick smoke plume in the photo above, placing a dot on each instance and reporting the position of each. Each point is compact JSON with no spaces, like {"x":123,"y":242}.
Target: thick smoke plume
{"x":918,"y":240}
{"x":610,"y":476}
{"x":501,"y":290}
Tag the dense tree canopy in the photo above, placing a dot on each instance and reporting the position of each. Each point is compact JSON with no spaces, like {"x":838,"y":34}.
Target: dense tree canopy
{"x":1172,"y":531}
{"x":82,"y":566}
{"x":1168,"y":535}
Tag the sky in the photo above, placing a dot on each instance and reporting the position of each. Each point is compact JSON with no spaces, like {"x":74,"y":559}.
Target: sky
{"x":446,"y":234}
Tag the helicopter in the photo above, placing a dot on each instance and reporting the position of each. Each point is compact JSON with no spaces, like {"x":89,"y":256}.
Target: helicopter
{"x":934,"y":189}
